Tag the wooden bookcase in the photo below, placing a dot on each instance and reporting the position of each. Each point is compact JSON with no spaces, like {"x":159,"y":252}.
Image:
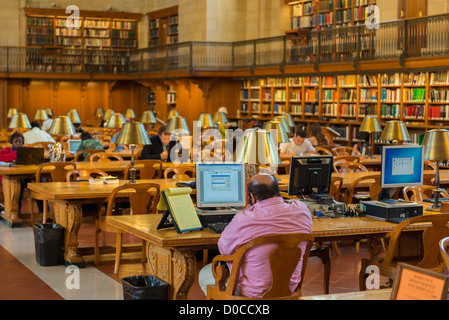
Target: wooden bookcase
{"x":98,"y":44}
{"x":163,"y":26}
{"x":420,"y":99}
{"x":325,"y":14}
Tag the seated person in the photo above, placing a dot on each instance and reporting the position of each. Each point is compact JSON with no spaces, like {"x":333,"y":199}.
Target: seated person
{"x":88,"y":142}
{"x":160,"y":147}
{"x":266,"y":214}
{"x":46,"y":125}
{"x":317,"y":137}
{"x":37,"y":135}
{"x":9,"y":154}
{"x":298,"y":146}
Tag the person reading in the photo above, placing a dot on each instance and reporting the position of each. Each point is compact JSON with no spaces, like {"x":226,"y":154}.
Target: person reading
{"x":266,"y":214}
{"x":299,"y":145}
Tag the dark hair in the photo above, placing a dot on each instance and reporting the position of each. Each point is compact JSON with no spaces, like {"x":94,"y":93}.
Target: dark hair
{"x":264,"y":191}
{"x":16,"y":135}
{"x":86,"y":135}
{"x":161,"y":130}
{"x":35,"y":124}
{"x":301,"y":133}
{"x":315,"y":131}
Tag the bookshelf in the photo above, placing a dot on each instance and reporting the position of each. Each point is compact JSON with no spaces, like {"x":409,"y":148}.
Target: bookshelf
{"x":326,"y":14}
{"x":163,"y":27}
{"x":420,"y":99}
{"x":96,"y":44}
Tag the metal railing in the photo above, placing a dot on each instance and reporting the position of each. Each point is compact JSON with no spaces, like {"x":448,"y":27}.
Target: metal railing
{"x":422,"y":37}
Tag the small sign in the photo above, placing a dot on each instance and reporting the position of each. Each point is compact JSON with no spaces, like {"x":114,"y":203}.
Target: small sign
{"x":414,"y":283}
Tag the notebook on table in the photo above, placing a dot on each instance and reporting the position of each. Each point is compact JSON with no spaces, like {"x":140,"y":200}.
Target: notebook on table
{"x":30,"y":156}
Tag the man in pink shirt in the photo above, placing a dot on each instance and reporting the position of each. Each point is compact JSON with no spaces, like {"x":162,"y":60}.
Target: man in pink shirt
{"x":268,"y":214}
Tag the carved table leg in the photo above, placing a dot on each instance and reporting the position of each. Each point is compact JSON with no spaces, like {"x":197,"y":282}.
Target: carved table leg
{"x":69,"y":215}
{"x":11,"y":192}
{"x":176,"y":267}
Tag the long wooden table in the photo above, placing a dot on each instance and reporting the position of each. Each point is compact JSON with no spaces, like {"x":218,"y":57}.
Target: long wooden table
{"x":171,"y":256}
{"x":11,"y":177}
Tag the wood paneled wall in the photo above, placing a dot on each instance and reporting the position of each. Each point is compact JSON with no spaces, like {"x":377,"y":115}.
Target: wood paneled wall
{"x":193,"y":97}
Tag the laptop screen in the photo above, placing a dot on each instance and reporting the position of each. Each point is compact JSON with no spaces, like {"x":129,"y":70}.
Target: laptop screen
{"x":74,"y":145}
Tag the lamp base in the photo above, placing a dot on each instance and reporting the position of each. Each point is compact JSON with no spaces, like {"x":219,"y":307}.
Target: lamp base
{"x":434,"y":208}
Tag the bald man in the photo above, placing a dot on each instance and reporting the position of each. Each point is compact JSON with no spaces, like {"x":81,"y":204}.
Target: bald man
{"x":266,"y":214}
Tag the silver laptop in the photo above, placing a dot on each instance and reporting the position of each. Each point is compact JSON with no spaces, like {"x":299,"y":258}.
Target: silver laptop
{"x":74,"y":145}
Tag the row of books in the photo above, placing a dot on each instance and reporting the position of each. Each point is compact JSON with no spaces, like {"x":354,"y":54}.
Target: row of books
{"x":95,"y":33}
{"x":368,"y":95}
{"x":438,"y":95}
{"x":347,"y":81}
{"x":296,"y":109}
{"x":124,"y":43}
{"x":330,"y":109}
{"x":439,"y":112}
{"x":390,"y":111}
{"x":68,"y":32}
{"x":279,"y":108}
{"x":124,"y":34}
{"x":390,"y":95}
{"x":303,"y":22}
{"x":439,"y":77}
{"x":414,"y":95}
{"x":31,"y":31}
{"x":101,"y":24}
{"x":417,"y":78}
{"x":296,"y":96}
{"x":129,"y":25}
{"x":77,"y":42}
{"x":329,"y":95}
{"x":343,"y":16}
{"x":361,"y":13}
{"x":39,"y":41}
{"x":329,"y":81}
{"x":326,"y":18}
{"x":40,"y":21}
{"x":280,"y":95}
{"x":348,"y":95}
{"x":414,"y":112}
{"x":93,"y":42}
{"x":390,"y":79}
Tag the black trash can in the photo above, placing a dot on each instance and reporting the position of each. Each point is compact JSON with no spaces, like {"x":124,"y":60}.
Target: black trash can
{"x":48,"y":243}
{"x":144,"y":287}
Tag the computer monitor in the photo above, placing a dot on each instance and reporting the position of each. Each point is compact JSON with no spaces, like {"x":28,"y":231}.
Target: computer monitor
{"x":402,"y":166}
{"x":220,"y":185}
{"x":74,"y":145}
{"x":310,"y":175}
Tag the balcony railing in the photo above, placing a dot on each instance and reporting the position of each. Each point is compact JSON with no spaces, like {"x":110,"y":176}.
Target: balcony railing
{"x":422,"y":37}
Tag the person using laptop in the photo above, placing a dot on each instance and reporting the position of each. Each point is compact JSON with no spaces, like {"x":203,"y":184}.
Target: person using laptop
{"x":266,"y":214}
{"x":37,"y":135}
{"x":298,"y":146}
{"x":9,"y":154}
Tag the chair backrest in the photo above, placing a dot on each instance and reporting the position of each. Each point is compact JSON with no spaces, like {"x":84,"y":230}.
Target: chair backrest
{"x":345,"y":151}
{"x":433,"y":233}
{"x":148,"y":169}
{"x":58,"y":170}
{"x":374,"y":187}
{"x":104,"y":157}
{"x":84,"y":174}
{"x":444,"y":247}
{"x":143,"y":200}
{"x":181,"y":172}
{"x":283,"y":261}
{"x":419,"y":193}
{"x":83,"y":154}
{"x":335,"y":187}
{"x":347,"y":166}
{"x":46,"y":145}
{"x":323,"y":151}
{"x":429,"y":165}
{"x":347,"y":158}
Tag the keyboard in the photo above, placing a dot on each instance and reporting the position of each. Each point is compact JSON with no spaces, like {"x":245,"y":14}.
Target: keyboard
{"x":218,"y":227}
{"x":396,"y":219}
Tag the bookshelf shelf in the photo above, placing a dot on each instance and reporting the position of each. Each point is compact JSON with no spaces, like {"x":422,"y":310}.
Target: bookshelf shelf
{"x":163,"y":27}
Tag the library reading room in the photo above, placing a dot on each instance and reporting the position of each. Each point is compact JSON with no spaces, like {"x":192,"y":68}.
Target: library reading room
{"x":224,"y":150}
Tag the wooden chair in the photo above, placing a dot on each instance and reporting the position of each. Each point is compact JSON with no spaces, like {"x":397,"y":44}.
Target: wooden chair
{"x":444,"y":247}
{"x":283,"y":261}
{"x":323,"y":151}
{"x":374,"y":189}
{"x":345,"y":151}
{"x":148,"y":169}
{"x":57,"y":173}
{"x":179,"y":173}
{"x":84,"y":174}
{"x":346,"y":166}
{"x":429,"y":165}
{"x":335,"y":187}
{"x":142,"y":200}
{"x":419,"y":193}
{"x":80,"y":155}
{"x":431,"y":236}
{"x":104,"y":157}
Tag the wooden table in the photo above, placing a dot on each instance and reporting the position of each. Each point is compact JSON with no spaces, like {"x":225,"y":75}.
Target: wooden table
{"x":12,"y":175}
{"x":171,"y":256}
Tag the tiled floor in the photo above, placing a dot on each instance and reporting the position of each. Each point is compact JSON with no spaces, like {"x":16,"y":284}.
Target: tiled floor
{"x":22,"y":278}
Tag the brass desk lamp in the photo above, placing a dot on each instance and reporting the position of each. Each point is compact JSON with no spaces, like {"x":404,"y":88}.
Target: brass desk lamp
{"x":436,"y":144}
{"x":395,"y":131}
{"x":371,"y":125}
{"x":19,"y":121}
{"x":279,"y":128}
{"x":133,"y":133}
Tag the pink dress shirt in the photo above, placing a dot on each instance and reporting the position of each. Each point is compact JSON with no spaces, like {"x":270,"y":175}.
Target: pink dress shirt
{"x":270,"y":216}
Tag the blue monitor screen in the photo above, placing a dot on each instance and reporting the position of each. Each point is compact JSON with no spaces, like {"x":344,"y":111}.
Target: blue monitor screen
{"x":402,"y":166}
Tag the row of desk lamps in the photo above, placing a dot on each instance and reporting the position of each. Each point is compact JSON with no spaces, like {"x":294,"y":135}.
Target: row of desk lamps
{"x":257,"y":146}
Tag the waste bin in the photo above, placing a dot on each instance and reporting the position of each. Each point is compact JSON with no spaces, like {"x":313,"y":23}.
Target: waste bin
{"x":144,"y":287}
{"x":48,"y":242}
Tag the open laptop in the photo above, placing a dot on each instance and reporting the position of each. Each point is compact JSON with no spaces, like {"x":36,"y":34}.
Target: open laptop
{"x":74,"y":145}
{"x":29,"y":156}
